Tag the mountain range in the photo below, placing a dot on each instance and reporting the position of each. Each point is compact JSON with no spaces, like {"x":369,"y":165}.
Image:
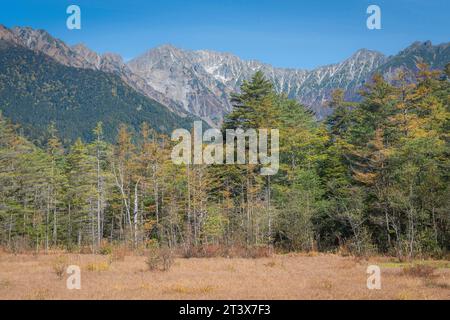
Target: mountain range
{"x":203,"y":80}
{"x":36,"y":90}
{"x":199,"y":83}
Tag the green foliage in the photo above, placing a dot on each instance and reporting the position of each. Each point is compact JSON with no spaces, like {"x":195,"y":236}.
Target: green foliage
{"x":393,"y":148}
{"x":372,"y":177}
{"x":36,"y":91}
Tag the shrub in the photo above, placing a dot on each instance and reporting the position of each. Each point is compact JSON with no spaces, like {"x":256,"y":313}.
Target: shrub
{"x":20,"y":245}
{"x":167,"y":258}
{"x":118,"y":253}
{"x":236,"y":251}
{"x":105,"y":249}
{"x":159,"y":258}
{"x":153,"y":259}
{"x":98,"y":266}
{"x":259,"y":252}
{"x":60,"y":266}
{"x":86,"y":250}
{"x":210,"y":251}
{"x":270,"y":264}
{"x":188,"y":252}
{"x":419,"y":270}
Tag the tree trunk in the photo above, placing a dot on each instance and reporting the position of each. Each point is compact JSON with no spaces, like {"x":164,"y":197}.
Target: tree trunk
{"x":135,"y":212}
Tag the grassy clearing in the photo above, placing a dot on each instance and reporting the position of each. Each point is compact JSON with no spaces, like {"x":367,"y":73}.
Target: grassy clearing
{"x":290,"y":276}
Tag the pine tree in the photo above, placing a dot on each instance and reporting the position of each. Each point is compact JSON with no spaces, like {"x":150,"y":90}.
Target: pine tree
{"x":82,"y":194}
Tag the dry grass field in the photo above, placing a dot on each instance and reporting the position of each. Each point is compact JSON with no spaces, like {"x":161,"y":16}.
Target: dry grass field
{"x":293,"y":276}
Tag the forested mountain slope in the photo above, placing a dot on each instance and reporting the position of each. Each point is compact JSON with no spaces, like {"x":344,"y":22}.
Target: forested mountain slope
{"x":35,"y":91}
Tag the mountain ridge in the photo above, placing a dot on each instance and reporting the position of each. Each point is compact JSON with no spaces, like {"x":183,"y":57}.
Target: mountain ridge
{"x":37,"y":90}
{"x":230,"y":71}
{"x":199,"y":82}
{"x":224,"y":73}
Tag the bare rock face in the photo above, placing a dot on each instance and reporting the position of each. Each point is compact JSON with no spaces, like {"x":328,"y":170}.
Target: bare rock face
{"x":203,"y":80}
{"x":174,"y":73}
{"x":42,"y":41}
{"x":91,"y":58}
{"x":8,"y":35}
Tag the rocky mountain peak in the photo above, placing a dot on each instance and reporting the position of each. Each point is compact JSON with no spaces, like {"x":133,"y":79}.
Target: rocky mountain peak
{"x":366,"y":54}
{"x":41,"y":40}
{"x":91,"y":57}
{"x":187,"y":75}
{"x":113,"y":57}
{"x":38,"y":39}
{"x":8,"y":35}
{"x":165,"y":51}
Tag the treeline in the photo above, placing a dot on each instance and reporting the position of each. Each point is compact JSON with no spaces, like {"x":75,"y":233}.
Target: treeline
{"x":372,"y":178}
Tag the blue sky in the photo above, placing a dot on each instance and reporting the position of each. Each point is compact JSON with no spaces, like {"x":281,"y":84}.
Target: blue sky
{"x":285,"y":33}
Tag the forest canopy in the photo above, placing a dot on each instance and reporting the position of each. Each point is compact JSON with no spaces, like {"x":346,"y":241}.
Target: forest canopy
{"x":372,"y":177}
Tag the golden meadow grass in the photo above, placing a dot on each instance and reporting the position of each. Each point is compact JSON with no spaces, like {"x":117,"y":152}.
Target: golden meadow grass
{"x":291,"y":276}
